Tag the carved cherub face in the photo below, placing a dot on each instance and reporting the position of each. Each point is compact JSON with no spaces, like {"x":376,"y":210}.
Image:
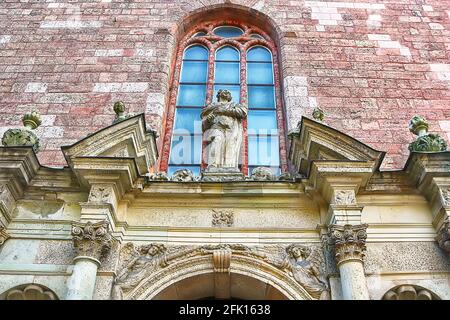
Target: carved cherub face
{"x":298,"y":252}
{"x":224,"y":95}
{"x":153,"y":249}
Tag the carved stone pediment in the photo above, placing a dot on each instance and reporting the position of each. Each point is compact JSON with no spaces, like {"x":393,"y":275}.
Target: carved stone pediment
{"x":125,"y":139}
{"x":315,"y":141}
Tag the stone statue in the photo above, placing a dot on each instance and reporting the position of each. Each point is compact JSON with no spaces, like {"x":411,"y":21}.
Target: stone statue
{"x":222,"y":127}
{"x":146,"y":260}
{"x":306,"y":266}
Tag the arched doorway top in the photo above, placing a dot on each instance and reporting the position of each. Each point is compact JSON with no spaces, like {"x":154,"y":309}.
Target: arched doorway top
{"x":284,"y":272}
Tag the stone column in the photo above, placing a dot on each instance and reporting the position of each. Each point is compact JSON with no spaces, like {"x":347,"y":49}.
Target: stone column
{"x":349,"y":244}
{"x":91,"y":241}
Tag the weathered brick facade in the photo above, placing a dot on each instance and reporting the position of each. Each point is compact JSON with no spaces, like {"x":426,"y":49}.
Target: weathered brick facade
{"x":369,"y":65}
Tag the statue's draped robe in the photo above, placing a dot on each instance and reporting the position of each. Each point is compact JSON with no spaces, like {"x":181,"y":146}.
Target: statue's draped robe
{"x":222,"y":127}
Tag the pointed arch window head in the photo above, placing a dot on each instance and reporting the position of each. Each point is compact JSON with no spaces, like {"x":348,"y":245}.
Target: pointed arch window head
{"x":212,"y":59}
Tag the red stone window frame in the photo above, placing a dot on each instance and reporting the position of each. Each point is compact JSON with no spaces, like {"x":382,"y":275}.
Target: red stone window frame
{"x":213,"y":43}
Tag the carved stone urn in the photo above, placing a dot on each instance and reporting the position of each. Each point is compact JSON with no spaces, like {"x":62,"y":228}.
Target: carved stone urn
{"x":24,"y":136}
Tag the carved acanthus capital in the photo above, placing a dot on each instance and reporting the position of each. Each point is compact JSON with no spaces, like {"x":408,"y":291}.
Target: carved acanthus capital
{"x":92,"y":239}
{"x":3,"y":235}
{"x":443,"y":236}
{"x":348,"y":242}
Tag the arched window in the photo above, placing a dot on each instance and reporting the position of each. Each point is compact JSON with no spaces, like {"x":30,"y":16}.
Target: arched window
{"x":241,"y":59}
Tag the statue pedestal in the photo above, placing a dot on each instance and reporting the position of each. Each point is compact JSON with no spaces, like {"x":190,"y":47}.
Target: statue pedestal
{"x":222,"y":174}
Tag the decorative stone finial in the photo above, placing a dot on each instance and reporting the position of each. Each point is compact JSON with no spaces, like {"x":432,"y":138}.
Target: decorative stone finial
{"x":318,"y":114}
{"x":119,"y":109}
{"x":31,"y":120}
{"x":426,"y":142}
{"x":418,"y":126}
{"x":24,"y":136}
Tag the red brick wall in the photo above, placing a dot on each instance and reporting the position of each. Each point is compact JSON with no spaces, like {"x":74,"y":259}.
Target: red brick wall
{"x":370,"y":65}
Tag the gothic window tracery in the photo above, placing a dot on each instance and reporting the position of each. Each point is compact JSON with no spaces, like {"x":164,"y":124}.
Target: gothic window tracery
{"x":243,"y":60}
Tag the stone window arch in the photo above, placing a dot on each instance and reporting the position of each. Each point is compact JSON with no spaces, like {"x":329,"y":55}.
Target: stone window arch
{"x":242,"y":58}
{"x":409,"y":292}
{"x":29,"y":292}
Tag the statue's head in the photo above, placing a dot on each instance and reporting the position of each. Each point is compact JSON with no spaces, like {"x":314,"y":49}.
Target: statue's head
{"x":224,"y":95}
{"x":298,"y":251}
{"x":153,"y":249}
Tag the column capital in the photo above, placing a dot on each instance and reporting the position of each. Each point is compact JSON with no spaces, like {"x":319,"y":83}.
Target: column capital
{"x":443,"y":236}
{"x":3,"y":235}
{"x":92,"y":239}
{"x":348,"y":242}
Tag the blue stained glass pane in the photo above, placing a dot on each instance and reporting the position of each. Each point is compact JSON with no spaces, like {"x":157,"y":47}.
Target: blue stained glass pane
{"x":256,"y":36}
{"x":196,"y":53}
{"x":259,"y":54}
{"x":262,"y":122}
{"x":228,"y":54}
{"x":235,"y":91}
{"x":259,"y":73}
{"x":186,"y":150}
{"x":194,"y":71}
{"x":227,"y":72}
{"x":263,"y":151}
{"x":200,"y":34}
{"x":228,"y":32}
{"x":191,"y":95}
{"x":187,"y":120}
{"x":194,"y":169}
{"x":261,"y":97}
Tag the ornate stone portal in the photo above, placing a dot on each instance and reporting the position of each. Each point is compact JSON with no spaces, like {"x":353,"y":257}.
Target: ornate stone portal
{"x":223,"y":133}
{"x":138,"y":265}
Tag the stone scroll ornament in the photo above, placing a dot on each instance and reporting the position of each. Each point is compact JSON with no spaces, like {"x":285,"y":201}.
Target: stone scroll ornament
{"x":302,"y":263}
{"x":223,"y":131}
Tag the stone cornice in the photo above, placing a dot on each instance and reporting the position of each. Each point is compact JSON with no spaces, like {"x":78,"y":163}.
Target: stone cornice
{"x":18,"y":166}
{"x":430,"y":174}
{"x":313,"y":140}
{"x":125,"y":139}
